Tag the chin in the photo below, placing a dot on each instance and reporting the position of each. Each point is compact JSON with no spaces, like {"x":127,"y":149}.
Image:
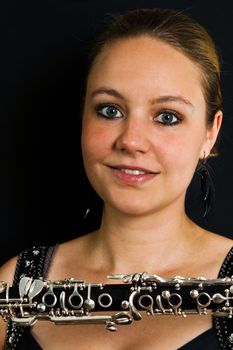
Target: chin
{"x":132,"y":207}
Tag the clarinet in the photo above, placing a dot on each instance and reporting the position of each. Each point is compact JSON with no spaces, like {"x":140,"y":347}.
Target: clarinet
{"x":74,"y":301}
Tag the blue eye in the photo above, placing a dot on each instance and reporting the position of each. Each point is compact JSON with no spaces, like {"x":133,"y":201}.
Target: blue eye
{"x":109,"y":112}
{"x":168,"y":118}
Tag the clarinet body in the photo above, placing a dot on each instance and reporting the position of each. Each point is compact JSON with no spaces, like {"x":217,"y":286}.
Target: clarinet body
{"x":73,"y":301}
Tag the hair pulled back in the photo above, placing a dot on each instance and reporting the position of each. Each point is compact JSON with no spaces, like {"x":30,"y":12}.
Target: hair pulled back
{"x":178,"y":30}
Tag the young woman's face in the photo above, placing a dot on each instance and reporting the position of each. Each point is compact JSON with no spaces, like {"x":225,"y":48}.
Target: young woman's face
{"x":144,"y":125}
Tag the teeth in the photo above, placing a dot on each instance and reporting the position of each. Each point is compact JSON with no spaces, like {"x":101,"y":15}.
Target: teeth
{"x":133,"y":172}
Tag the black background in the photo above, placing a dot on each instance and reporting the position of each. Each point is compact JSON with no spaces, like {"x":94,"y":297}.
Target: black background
{"x":43,"y":189}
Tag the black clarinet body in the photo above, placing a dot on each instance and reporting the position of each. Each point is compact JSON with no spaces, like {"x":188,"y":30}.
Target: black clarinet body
{"x":74,"y":301}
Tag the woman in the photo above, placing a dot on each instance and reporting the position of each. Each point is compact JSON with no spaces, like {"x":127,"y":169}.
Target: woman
{"x":151,"y":117}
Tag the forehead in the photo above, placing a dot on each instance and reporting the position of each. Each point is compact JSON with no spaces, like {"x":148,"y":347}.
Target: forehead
{"x":144,"y":63}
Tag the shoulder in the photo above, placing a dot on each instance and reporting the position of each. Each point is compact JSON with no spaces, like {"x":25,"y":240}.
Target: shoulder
{"x":33,"y":261}
{"x":7,"y":270}
{"x":215,"y":249}
{"x":218,"y":242}
{"x":70,"y":257}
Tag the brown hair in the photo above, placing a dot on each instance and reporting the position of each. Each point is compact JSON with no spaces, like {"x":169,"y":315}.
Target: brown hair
{"x":178,"y":30}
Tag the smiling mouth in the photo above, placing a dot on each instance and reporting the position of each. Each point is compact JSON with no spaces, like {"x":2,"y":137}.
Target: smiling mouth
{"x":132,"y":177}
{"x":134,"y":170}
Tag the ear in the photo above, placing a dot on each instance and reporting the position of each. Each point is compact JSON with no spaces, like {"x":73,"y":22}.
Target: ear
{"x":212,"y":134}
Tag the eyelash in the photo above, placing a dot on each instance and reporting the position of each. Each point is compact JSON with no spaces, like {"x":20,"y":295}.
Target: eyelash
{"x":171,"y":113}
{"x":100,"y":107}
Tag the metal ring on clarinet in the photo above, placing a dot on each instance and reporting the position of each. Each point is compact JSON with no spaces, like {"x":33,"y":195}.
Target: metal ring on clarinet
{"x":105,"y":295}
{"x":75,"y":295}
{"x":49,"y":295}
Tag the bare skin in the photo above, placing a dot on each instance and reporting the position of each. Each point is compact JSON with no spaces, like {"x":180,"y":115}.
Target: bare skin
{"x":144,"y":226}
{"x":203,"y":258}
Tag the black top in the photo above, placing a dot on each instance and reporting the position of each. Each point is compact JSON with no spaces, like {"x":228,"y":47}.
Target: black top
{"x":219,"y":337}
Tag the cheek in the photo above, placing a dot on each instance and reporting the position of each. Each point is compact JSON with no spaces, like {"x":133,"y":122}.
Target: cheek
{"x":182,"y":151}
{"x":95,"y":142}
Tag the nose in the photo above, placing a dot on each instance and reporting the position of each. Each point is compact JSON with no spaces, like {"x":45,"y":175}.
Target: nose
{"x":133,"y":137}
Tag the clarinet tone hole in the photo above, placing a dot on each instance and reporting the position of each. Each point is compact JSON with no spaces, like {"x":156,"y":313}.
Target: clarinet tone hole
{"x":145,"y":301}
{"x":203,"y":300}
{"x":174,"y":299}
{"x":49,"y":299}
{"x":76,"y":301}
{"x":105,"y":300}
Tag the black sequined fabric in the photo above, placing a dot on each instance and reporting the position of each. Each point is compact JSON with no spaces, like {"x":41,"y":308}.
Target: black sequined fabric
{"x":224,"y":325}
{"x":33,"y":263}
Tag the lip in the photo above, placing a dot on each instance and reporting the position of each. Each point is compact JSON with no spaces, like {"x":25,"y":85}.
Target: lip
{"x":132,"y":179}
{"x":130,"y":167}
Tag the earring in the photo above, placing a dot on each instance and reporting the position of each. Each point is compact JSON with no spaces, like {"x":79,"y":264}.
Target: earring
{"x":86,"y":213}
{"x":207,"y":188}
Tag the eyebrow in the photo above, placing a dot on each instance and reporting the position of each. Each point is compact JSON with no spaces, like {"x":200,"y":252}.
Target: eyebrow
{"x":172,"y":98}
{"x":108,"y":91}
{"x":160,"y":99}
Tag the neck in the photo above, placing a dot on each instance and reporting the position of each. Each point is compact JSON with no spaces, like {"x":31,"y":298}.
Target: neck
{"x":133,"y":244}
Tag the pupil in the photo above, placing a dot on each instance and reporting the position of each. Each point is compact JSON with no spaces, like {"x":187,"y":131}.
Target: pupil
{"x":111,"y":111}
{"x":167,"y":117}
